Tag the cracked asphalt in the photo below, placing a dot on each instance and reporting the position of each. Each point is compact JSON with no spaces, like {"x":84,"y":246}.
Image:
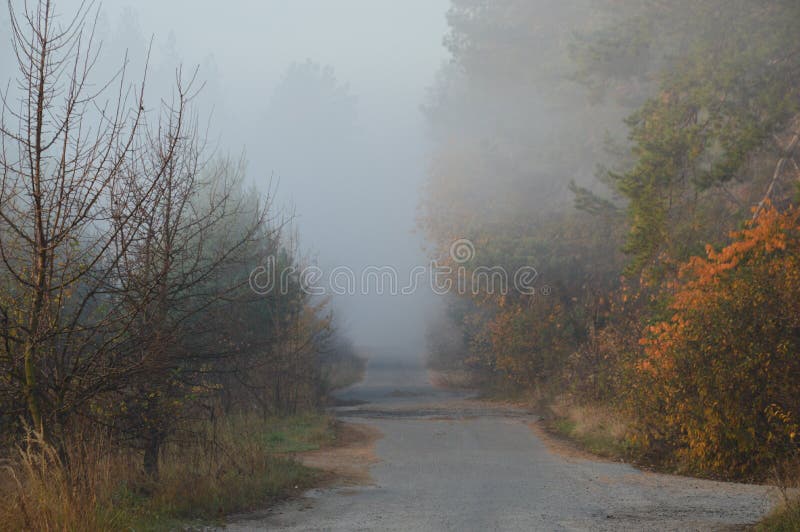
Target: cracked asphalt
{"x":449,"y":462}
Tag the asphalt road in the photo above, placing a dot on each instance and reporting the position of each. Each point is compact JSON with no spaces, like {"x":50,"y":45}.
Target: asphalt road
{"x":447,"y":462}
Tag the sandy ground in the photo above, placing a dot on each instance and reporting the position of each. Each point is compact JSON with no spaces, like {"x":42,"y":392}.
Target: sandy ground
{"x":350,"y":460}
{"x":420,"y":458}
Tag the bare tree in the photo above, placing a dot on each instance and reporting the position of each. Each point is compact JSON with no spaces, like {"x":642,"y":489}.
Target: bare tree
{"x":65,"y":143}
{"x":125,"y":254}
{"x":176,"y":271}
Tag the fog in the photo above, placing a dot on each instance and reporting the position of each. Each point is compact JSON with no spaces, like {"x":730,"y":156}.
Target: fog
{"x":323,"y":100}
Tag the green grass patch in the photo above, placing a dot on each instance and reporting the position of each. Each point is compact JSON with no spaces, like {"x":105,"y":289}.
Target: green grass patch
{"x":298,"y":434}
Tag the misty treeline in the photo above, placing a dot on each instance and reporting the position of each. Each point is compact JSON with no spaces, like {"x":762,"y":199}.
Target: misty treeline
{"x":641,"y":155}
{"x":127,"y":244}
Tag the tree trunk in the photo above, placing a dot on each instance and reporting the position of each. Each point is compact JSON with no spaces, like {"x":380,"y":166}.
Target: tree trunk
{"x":152,"y":450}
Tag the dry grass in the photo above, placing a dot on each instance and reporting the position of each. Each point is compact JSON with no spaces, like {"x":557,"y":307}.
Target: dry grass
{"x":453,"y":379}
{"x":597,"y":428}
{"x":202,"y":478}
{"x":40,"y":493}
{"x":786,"y":517}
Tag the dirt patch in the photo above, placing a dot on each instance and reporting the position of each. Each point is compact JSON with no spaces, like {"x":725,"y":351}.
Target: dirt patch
{"x":349,"y":459}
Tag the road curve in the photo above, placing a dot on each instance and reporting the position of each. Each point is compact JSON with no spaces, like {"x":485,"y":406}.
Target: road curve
{"x":448,"y":462}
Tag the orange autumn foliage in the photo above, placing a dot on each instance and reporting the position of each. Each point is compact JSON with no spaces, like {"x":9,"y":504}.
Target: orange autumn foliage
{"x":720,"y":377}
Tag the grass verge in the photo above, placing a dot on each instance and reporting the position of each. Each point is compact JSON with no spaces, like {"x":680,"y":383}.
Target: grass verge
{"x":238,"y":464}
{"x":785,"y":518}
{"x":596,"y":429}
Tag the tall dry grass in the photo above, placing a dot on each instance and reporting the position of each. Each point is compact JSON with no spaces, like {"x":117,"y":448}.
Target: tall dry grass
{"x":205,"y":474}
{"x":786,"y":516}
{"x":600,"y":429}
{"x":44,"y":489}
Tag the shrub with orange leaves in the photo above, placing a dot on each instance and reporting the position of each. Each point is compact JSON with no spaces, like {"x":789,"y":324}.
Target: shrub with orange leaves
{"x":720,"y":378}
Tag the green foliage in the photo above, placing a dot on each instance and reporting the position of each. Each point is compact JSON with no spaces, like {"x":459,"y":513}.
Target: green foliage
{"x":732,"y":89}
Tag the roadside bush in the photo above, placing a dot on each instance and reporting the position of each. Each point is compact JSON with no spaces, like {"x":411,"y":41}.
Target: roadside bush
{"x":720,"y":373}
